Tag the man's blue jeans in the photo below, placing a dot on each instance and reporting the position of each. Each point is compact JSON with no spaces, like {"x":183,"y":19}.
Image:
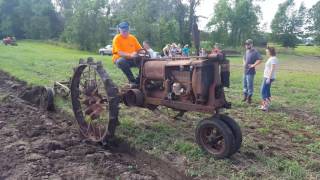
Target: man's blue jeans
{"x":265,"y":89}
{"x":248,"y":84}
{"x":125,"y":66}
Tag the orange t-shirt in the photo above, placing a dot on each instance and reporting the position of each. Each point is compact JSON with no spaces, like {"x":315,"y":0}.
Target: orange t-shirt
{"x":129,"y":44}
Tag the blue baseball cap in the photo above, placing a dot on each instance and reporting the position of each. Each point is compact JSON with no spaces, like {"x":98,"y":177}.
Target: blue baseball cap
{"x":124,"y":26}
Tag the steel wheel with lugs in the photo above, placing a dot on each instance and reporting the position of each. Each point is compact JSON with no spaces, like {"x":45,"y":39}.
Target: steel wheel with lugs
{"x":95,"y":101}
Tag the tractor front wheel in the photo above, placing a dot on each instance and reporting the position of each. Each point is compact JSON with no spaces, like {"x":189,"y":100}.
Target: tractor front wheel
{"x":235,"y":128}
{"x":215,"y":137}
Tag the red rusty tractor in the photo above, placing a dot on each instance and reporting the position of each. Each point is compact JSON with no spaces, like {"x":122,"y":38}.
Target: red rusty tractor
{"x":181,"y":83}
{"x":9,"y":41}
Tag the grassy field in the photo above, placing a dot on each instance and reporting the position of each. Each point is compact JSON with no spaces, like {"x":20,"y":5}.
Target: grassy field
{"x":300,"y":50}
{"x":281,"y":144}
{"x":308,"y":50}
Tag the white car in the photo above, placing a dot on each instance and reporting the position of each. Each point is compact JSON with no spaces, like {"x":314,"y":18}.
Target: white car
{"x":106,"y":50}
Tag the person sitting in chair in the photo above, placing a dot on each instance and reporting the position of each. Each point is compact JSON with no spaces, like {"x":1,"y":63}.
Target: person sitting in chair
{"x":146,"y":45}
{"x":124,"y":49}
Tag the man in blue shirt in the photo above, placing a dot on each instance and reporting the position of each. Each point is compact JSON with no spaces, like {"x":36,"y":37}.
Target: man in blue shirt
{"x":251,"y":59}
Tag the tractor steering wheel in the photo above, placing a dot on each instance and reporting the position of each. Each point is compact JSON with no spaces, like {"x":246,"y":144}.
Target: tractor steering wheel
{"x":143,"y":53}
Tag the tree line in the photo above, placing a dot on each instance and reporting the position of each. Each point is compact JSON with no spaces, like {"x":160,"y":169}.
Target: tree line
{"x":289,"y":23}
{"x":91,"y":24}
{"x":236,"y":20}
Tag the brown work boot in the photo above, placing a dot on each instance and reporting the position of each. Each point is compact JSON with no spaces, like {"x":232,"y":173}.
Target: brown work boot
{"x":249,"y":100}
{"x":244,"y":98}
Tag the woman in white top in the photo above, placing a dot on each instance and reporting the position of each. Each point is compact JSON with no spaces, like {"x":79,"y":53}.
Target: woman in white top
{"x":269,"y":76}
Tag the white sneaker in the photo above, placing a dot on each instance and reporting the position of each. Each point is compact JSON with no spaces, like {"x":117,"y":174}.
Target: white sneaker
{"x":264,"y":108}
{"x":262,"y":105}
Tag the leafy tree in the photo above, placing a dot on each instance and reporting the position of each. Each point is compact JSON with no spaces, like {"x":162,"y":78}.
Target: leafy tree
{"x":181,"y":11}
{"x":11,"y":21}
{"x":244,"y":21}
{"x":314,"y":21}
{"x":159,"y":21}
{"x":88,"y":25}
{"x":288,"y":23}
{"x":44,"y":22}
{"x":234,"y":21}
{"x":36,"y":19}
{"x":220,"y":22}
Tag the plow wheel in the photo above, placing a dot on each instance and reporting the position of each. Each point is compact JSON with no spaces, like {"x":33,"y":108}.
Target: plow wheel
{"x":95,"y":101}
{"x":215,"y":137}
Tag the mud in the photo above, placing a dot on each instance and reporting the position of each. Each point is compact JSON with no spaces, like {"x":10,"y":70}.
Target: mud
{"x":43,"y":145}
{"x":302,"y":115}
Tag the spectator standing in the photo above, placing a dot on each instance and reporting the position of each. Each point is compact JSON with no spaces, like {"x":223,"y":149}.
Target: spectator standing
{"x":173,"y":50}
{"x":186,"y":50}
{"x":179,"y":50}
{"x":203,"y":52}
{"x":251,"y":60}
{"x":166,"y":50}
{"x":269,"y":76}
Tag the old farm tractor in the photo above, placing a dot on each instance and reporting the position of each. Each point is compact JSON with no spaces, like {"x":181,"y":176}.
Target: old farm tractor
{"x":181,"y":83}
{"x":9,"y":41}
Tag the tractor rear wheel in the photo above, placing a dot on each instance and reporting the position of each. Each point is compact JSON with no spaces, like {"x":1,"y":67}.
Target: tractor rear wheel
{"x":95,"y":101}
{"x":215,"y":137}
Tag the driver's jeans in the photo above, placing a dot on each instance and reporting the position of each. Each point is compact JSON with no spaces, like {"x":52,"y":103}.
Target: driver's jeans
{"x":125,"y":65}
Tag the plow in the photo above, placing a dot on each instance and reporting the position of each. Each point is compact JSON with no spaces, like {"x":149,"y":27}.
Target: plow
{"x":184,"y":84}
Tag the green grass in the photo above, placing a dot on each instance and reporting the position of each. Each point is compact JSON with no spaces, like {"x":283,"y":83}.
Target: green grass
{"x":300,"y":50}
{"x":42,"y":64}
{"x":308,"y":50}
{"x":314,"y":147}
{"x":291,"y":168}
{"x":297,"y":83}
{"x":281,"y":144}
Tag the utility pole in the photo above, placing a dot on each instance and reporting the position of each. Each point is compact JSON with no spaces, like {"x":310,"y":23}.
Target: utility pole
{"x":196,"y":35}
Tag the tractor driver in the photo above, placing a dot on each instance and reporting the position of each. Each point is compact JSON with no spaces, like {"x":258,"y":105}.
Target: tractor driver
{"x":124,"y":49}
